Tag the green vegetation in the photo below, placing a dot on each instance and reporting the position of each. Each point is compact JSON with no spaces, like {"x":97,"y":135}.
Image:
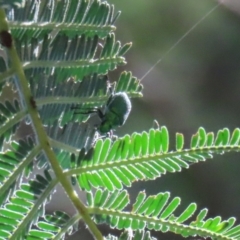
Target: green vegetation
{"x":55,"y":55}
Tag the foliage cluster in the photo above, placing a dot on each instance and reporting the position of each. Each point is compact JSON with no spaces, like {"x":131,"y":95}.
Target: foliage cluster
{"x":55,"y":55}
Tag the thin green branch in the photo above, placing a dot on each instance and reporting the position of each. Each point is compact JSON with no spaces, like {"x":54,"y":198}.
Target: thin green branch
{"x":63,"y":146}
{"x":42,"y":136}
{"x":126,"y":162}
{"x":74,"y":64}
{"x":76,"y":100}
{"x":174,"y":226}
{"x":70,"y":100}
{"x":63,"y":27}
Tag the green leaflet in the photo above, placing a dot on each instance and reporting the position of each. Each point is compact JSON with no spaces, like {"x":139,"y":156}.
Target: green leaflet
{"x":58,"y":62}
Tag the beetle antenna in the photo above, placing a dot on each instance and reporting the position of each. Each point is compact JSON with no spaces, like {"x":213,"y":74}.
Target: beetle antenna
{"x":86,"y":112}
{"x":181,"y":39}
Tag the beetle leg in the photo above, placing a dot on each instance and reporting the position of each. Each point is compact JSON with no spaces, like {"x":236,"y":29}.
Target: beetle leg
{"x":111,"y":135}
{"x":86,"y":112}
{"x":80,"y":107}
{"x":100,"y":113}
{"x":89,"y":111}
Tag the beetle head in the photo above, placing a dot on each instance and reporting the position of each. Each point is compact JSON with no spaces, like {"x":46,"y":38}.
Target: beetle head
{"x":105,"y":127}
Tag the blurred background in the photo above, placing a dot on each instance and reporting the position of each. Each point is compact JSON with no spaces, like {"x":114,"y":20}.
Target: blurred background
{"x":196,"y":84}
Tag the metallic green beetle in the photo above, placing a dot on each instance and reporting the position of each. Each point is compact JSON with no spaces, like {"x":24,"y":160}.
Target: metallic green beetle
{"x":114,"y":114}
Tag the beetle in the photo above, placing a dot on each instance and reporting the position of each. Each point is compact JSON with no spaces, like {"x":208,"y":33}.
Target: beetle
{"x":114,"y":114}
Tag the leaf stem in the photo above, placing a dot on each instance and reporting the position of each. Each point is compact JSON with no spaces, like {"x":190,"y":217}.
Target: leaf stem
{"x":41,"y":133}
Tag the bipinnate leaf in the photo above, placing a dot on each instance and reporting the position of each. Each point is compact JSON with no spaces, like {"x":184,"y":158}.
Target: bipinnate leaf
{"x":145,"y":214}
{"x":145,"y":156}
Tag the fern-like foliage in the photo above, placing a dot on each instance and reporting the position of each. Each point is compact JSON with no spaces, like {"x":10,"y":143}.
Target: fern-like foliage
{"x":56,"y":55}
{"x":157,"y":212}
{"x":146,"y":156}
{"x":37,"y":19}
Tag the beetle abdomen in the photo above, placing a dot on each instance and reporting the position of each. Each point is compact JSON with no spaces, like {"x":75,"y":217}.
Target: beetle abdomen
{"x":120,"y":104}
{"x":116,"y":112}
